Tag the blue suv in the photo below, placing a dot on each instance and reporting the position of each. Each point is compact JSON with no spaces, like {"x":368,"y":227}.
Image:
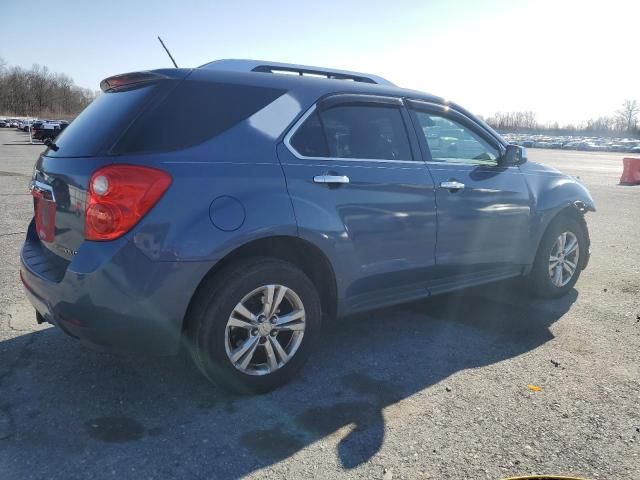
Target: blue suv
{"x":231,"y":207}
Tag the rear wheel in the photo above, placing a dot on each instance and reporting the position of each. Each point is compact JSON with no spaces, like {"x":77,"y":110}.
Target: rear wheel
{"x":559,"y":260}
{"x":252,"y":326}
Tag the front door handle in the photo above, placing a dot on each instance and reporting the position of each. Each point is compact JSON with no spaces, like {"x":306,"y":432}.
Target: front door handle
{"x":452,"y":185}
{"x":331,"y":179}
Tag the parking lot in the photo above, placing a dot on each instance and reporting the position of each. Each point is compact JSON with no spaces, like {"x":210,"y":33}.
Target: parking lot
{"x":436,"y":389}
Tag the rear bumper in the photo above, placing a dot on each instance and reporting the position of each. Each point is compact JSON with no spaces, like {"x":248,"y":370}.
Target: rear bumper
{"x":127,"y":302}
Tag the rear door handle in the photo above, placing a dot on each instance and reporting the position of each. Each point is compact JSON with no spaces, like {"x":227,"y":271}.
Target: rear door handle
{"x":331,"y":179}
{"x":452,"y":185}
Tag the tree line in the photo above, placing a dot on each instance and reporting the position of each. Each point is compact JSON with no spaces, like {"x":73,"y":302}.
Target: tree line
{"x":38,"y":92}
{"x":625,"y":122}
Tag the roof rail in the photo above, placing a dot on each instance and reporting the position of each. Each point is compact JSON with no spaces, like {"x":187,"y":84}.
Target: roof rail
{"x":292,"y":69}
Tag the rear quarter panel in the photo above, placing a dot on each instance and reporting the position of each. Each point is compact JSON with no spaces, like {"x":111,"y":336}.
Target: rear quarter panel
{"x":180,"y":227}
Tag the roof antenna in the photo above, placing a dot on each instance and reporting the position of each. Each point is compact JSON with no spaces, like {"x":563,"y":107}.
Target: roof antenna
{"x":168,"y":53}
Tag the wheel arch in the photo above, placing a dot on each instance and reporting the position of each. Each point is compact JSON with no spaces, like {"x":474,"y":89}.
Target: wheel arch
{"x":307,"y":256}
{"x":576,"y":210}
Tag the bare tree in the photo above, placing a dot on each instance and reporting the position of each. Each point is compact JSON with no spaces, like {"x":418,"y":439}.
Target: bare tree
{"x":624,"y":121}
{"x":513,"y":121}
{"x":38,"y":92}
{"x":627,"y":116}
{"x":601,"y":125}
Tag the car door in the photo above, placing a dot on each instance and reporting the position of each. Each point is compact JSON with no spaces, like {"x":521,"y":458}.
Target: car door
{"x":483,"y":207}
{"x":361,"y":191}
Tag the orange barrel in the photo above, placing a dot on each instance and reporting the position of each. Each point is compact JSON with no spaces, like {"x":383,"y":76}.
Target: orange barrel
{"x":630,"y":171}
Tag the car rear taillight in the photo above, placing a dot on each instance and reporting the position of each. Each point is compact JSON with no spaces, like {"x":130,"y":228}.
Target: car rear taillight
{"x":119,"y":196}
{"x":44,"y":214}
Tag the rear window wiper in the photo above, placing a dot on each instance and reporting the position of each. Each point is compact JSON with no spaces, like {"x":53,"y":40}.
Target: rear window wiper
{"x":49,"y":143}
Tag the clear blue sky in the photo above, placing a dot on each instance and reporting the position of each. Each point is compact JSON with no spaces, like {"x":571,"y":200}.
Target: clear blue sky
{"x":567,"y":60}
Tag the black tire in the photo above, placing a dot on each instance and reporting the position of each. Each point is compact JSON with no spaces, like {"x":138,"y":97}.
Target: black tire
{"x":216,"y":300}
{"x":540,"y":278}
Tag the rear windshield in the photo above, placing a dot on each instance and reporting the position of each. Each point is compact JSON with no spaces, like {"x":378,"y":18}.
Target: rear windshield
{"x":97,"y":127}
{"x":192,"y":113}
{"x":160,"y":117}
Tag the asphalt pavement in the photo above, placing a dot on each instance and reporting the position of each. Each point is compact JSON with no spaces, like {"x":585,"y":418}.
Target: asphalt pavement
{"x":437,"y":389}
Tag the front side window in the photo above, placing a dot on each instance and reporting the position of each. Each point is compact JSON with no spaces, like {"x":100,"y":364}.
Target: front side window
{"x":354,"y":131}
{"x":450,"y":141}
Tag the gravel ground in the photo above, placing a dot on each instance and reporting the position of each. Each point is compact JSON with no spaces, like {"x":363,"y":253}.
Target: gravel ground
{"x":434,"y":389}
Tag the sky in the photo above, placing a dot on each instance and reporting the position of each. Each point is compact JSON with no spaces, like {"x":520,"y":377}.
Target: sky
{"x":566,"y":60}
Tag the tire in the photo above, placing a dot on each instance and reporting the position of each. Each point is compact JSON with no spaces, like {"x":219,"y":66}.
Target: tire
{"x":212,"y":341}
{"x":543,"y":278}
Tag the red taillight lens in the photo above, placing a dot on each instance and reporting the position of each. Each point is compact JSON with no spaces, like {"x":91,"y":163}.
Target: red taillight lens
{"x":45,"y":215}
{"x":119,"y":196}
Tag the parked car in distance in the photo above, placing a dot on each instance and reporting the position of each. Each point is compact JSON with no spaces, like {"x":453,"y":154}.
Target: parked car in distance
{"x":24,"y":125}
{"x":37,"y":130}
{"x":44,"y":130}
{"x":230,"y":208}
{"x":570,"y":142}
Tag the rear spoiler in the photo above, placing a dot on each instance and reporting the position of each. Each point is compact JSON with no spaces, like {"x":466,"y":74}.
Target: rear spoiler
{"x":136,"y":78}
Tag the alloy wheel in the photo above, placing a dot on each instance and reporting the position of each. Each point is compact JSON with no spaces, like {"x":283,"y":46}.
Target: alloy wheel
{"x":265,"y":329}
{"x":563,"y":261}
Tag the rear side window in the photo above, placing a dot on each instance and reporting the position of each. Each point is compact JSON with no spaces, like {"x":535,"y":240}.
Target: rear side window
{"x":309,"y":139}
{"x":192,"y":113}
{"x":354,"y":131}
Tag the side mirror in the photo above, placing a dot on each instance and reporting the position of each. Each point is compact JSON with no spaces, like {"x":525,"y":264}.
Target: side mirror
{"x":514,"y":155}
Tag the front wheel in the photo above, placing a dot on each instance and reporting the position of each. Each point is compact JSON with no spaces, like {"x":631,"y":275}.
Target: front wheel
{"x":253,"y":325}
{"x":560,"y":258}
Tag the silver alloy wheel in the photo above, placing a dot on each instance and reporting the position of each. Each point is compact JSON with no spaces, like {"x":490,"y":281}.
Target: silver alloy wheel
{"x":563,"y":262}
{"x":265,"y":330}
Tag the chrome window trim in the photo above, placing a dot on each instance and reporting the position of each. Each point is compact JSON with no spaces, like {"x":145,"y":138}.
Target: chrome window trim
{"x":292,"y":131}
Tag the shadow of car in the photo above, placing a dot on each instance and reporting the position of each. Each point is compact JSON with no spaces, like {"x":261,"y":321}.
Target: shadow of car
{"x":163,"y":418}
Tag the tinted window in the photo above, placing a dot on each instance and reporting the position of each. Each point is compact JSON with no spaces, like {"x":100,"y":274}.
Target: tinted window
{"x":450,"y":141}
{"x":101,"y":122}
{"x":309,"y":139}
{"x":192,"y":113}
{"x":366,"y":131}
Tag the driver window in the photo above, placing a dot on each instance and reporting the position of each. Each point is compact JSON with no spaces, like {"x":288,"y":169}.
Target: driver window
{"x":452,"y":142}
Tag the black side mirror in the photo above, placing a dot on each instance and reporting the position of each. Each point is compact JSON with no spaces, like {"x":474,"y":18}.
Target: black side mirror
{"x":514,"y":155}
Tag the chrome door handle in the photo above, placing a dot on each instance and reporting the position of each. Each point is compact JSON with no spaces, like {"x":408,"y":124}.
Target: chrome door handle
{"x":452,"y":185}
{"x":331,"y":179}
